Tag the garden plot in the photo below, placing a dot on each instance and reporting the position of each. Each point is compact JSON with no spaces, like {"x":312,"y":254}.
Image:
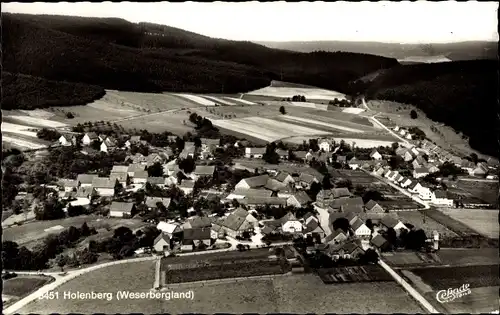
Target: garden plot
{"x":484,"y":222}
{"x":36,"y":122}
{"x":309,"y":93}
{"x":220,"y":100}
{"x":266,"y":129}
{"x":313,"y":122}
{"x":197,"y":99}
{"x":18,"y":129}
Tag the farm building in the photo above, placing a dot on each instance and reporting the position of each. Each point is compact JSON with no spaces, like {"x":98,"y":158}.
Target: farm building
{"x":162,"y":243}
{"x":89,"y":137}
{"x":152,"y":202}
{"x":338,"y":236}
{"x":121,"y":209}
{"x":66,"y":140}
{"x":196,"y":238}
{"x":168,"y":228}
{"x":197,"y":222}
{"x":256,"y":153}
{"x":85,"y":193}
{"x":122,"y":178}
{"x":189,"y":150}
{"x":242,"y":193}
{"x":360,"y":229}
{"x":425,"y":193}
{"x":420,"y":172}
{"x":246,"y":215}
{"x":119,"y":169}
{"x":252,"y":182}
{"x":290,"y":224}
{"x":481,"y":170}
{"x":299,"y":199}
{"x":254,"y":202}
{"x":158,"y":181}
{"x":274,"y":185}
{"x":375,"y":155}
{"x":133,"y":168}
{"x":203,"y":170}
{"x":391,"y":223}
{"x":284,"y":177}
{"x":380,"y":243}
{"x":313,"y":228}
{"x":68,"y":184}
{"x":305,"y":180}
{"x":325,"y":145}
{"x":414,"y":187}
{"x":108,"y":145}
{"x":374,"y":207}
{"x":137,"y":159}
{"x":187,"y":186}
{"x":441,"y":199}
{"x":350,"y":204}
{"x":104,"y":186}
{"x":85,"y":180}
{"x":235,"y":225}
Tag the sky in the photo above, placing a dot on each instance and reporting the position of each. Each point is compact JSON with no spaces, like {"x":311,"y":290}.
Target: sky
{"x":391,"y":22}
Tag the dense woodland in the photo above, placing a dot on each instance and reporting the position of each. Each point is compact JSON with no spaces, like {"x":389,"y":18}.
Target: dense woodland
{"x":463,"y":95}
{"x":116,"y":54}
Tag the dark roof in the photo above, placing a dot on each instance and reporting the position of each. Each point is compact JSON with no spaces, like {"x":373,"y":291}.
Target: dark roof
{"x":288,"y":217}
{"x":141,"y":174}
{"x":340,"y":192}
{"x":208,"y":141}
{"x":92,"y":135}
{"x":121,"y":206}
{"x":86,"y":178}
{"x":351,"y":215}
{"x":308,"y":178}
{"x":103,"y":182}
{"x":351,"y":208}
{"x":371,"y":204}
{"x":253,"y":192}
{"x":334,"y":234}
{"x":281,"y":176}
{"x":119,"y":176}
{"x":263,"y":200}
{"x":68,"y":182}
{"x":312,"y":226}
{"x":350,"y":247}
{"x":356,"y":224}
{"x":84,"y":192}
{"x":234,"y":222}
{"x":440,"y":194}
{"x":200,"y":222}
{"x":413,"y":184}
{"x":240,"y":212}
{"x":274,"y":185}
{"x":302,"y":197}
{"x":204,"y":170}
{"x":152,"y":201}
{"x":119,"y":169}
{"x":389,"y":222}
{"x":163,"y":236}
{"x":378,"y":240}
{"x":197,"y":234}
{"x":337,"y":203}
{"x":421,"y":170}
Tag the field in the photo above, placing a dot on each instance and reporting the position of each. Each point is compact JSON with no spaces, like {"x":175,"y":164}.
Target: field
{"x":197,"y":99}
{"x":368,"y":273}
{"x":309,"y":93}
{"x":284,"y":294}
{"x":312,"y":122}
{"x":454,"y":225}
{"x":36,"y":230}
{"x":484,"y":222}
{"x":484,"y":190}
{"x":417,"y":218}
{"x":160,"y":122}
{"x":460,"y":256}
{"x":22,"y":285}
{"x":18,"y":129}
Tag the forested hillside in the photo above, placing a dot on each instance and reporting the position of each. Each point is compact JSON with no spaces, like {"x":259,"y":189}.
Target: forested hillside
{"x":463,"y":95}
{"x":116,"y":54}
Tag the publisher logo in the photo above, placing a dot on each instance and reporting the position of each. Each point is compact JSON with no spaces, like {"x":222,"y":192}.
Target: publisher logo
{"x":451,"y":294}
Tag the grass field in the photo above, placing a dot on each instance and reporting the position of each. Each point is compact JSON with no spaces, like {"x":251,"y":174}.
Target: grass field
{"x":462,"y":256}
{"x":484,"y":190}
{"x":22,"y":285}
{"x":286,"y":294}
{"x":160,"y":122}
{"x":309,"y":93}
{"x":33,"y":231}
{"x":416,"y":218}
{"x":484,"y":222}
{"x":452,"y":224}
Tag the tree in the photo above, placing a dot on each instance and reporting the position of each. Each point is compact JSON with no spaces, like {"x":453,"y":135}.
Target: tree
{"x":70,"y":115}
{"x":271,"y":156}
{"x":369,"y":224}
{"x":369,"y":257}
{"x":282,"y":110}
{"x":74,"y":211}
{"x":413,"y":114}
{"x":61,"y":261}
{"x":372,"y":195}
{"x":327,"y":183}
{"x":197,"y":142}
{"x":51,"y":209}
{"x":84,"y":229}
{"x":155,"y":170}
{"x":96,"y":145}
{"x":341,"y":223}
{"x":123,"y":234}
{"x":474,"y":158}
{"x":314,"y":190}
{"x":394,"y":146}
{"x":187,"y":165}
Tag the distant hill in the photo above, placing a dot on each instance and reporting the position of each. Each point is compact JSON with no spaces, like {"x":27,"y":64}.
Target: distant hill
{"x":454,"y":51}
{"x":115,"y":54}
{"x":461,"y":94}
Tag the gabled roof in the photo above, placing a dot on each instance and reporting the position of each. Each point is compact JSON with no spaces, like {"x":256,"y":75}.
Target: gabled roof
{"x":152,"y":201}
{"x":281,"y":176}
{"x":141,"y":174}
{"x":288,"y":217}
{"x":274,"y":185}
{"x":313,"y":227}
{"x":234,"y":222}
{"x":196,"y":234}
{"x":324,"y":194}
{"x":86,"y":178}
{"x":440,"y":194}
{"x":281,"y":152}
{"x":136,"y":167}
{"x":92,"y":135}
{"x":374,"y":151}
{"x":187,"y":183}
{"x":162,"y":236}
{"x":119,"y":169}
{"x":68,"y":182}
{"x":199,"y":222}
{"x":334,"y":234}
{"x":308,"y":178}
{"x":378,"y":240}
{"x":155,"y":180}
{"x":413,"y":184}
{"x":119,"y":176}
{"x":341,"y":158}
{"x":350,"y":247}
{"x":337,"y":203}
{"x":84,"y":192}
{"x":370,"y":205}
{"x":302,"y":197}
{"x":208,"y":141}
{"x":357,"y":224}
{"x":351,"y":215}
{"x":256,"y":181}
{"x":252,"y":192}
{"x":340,"y":192}
{"x":421,"y":170}
{"x":255,"y":150}
{"x":273,"y":201}
{"x":300,"y":154}
{"x":121,"y":206}
{"x":240,"y":212}
{"x":354,"y":208}
{"x":103,"y":182}
{"x":389,"y":222}
{"x":204,"y":170}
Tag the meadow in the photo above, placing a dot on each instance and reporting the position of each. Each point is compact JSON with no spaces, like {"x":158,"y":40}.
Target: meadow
{"x":482,"y":221}
{"x":22,"y":285}
{"x":309,"y":93}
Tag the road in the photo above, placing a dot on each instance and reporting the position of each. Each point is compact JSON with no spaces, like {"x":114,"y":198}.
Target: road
{"x":400,"y":189}
{"x":404,"y":141}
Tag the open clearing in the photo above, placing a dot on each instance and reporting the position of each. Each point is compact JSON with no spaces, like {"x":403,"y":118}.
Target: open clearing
{"x":19,"y":129}
{"x":33,"y":231}
{"x":197,"y":99}
{"x":286,"y":294}
{"x":266,"y":129}
{"x":484,"y":222}
{"x":309,"y":93}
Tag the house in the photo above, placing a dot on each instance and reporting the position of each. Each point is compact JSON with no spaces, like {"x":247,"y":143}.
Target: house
{"x":308,"y":217}
{"x":336,"y":237}
{"x":162,"y":243}
{"x":405,"y":182}
{"x":104,"y":186}
{"x":409,"y":136}
{"x":305,"y":180}
{"x":274,"y":185}
{"x":360,"y":229}
{"x":246,"y":215}
{"x":85,"y":193}
{"x":352,"y":208}
{"x":380,"y":243}
{"x":398,"y":178}
{"x":119,"y":169}
{"x":379,"y":171}
{"x":414,"y":187}
{"x":197,"y":223}
{"x":284,"y":178}
{"x":402,"y":132}
{"x":171,"y":168}
{"x":432,"y":168}
{"x":108,"y":145}
{"x":425,"y":193}
{"x":350,"y":204}
{"x":133,"y":168}
{"x":209,"y":145}
{"x":407,"y":156}
{"x":235,"y":225}
{"x":140,"y":177}
{"x":392,"y":175}
{"x":416,"y":164}
{"x":158,"y":181}
{"x":373,"y":207}
{"x":122,"y":209}
{"x":245,"y":193}
{"x":204,"y":170}
{"x":85,"y":180}
{"x":196,"y":238}
{"x":187,"y":186}
{"x":299,"y":199}
{"x":168,"y":228}
{"x":441,"y":199}
{"x":256,"y":153}
{"x":283,"y":154}
{"x":341,"y":159}
{"x":122,"y":178}
{"x":134,"y":140}
{"x":252,"y":182}
{"x":392,"y":223}
{"x":352,"y":250}
{"x":340,"y":192}
{"x":254,"y":202}
{"x":312,"y":228}
{"x":290,"y":224}
{"x":420,"y":172}
{"x":467,"y":165}
{"x":65,"y":140}
{"x":137,"y":158}
{"x":189,"y":150}
{"x":68,"y":184}
{"x":325,"y":145}
{"x":324,"y":198}
{"x":375,"y":155}
{"x":152,"y":202}
{"x":154,"y":158}
{"x":481,"y":170}
{"x":89,"y":137}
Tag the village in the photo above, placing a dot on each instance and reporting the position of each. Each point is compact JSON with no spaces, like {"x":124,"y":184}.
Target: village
{"x":327,"y":198}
